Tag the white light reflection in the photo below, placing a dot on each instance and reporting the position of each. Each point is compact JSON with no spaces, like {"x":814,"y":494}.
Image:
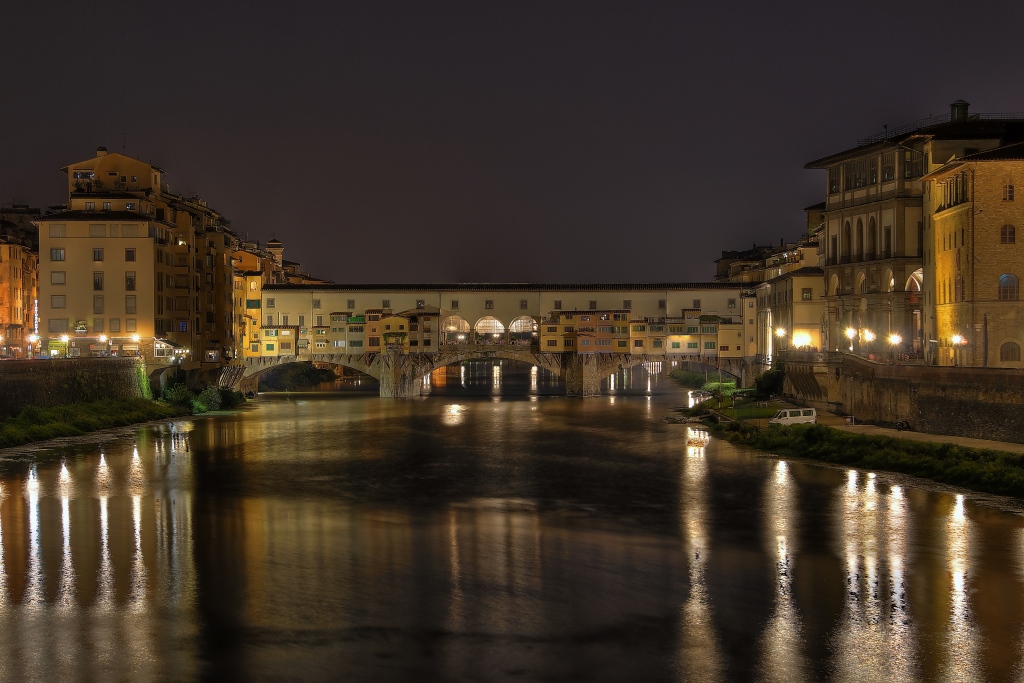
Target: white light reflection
{"x":699,"y":653}
{"x":105,"y":589}
{"x":452,"y":415}
{"x":456,"y":572}
{"x":611,"y":382}
{"x":34,"y":582}
{"x":66,"y":590}
{"x":962,"y":642}
{"x":495,"y":377}
{"x":3,"y":571}
{"x":875,"y":639}
{"x":533,"y":377}
{"x":138,"y":580}
{"x":462,"y":374}
{"x":782,"y":640}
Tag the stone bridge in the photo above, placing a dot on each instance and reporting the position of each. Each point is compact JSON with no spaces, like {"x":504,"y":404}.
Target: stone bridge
{"x":400,"y":373}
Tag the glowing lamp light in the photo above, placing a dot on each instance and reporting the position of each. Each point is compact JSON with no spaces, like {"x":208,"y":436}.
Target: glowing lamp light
{"x":103,"y":339}
{"x":895,"y":339}
{"x":64,"y":338}
{"x":780,"y":332}
{"x":801,"y":339}
{"x":850,"y":333}
{"x":135,"y":338}
{"x":33,"y":338}
{"x":959,"y":339}
{"x":869,"y":336}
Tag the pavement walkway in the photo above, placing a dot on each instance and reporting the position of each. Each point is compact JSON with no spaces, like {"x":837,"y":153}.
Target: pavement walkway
{"x":839,"y":422}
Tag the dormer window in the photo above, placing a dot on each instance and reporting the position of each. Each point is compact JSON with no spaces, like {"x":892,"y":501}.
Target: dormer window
{"x":90,"y":206}
{"x":129,"y":206}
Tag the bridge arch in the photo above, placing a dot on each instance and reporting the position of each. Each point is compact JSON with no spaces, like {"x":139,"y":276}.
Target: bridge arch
{"x":522,"y":330}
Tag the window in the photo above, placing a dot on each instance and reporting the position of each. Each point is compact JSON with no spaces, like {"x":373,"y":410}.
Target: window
{"x":709,"y":345}
{"x":352,"y":304}
{"x":97,"y":230}
{"x":97,"y":254}
{"x":621,"y":343}
{"x":90,"y":206}
{"x":732,"y":303}
{"x":455,"y":304}
{"x":675,"y":345}
{"x":658,"y":343}
{"x":833,"y":180}
{"x":1008,"y":193}
{"x":129,"y":281}
{"x":421,"y":303}
{"x":129,"y":304}
{"x":567,"y":342}
{"x":58,"y":277}
{"x":523,"y":304}
{"x":182,"y":326}
{"x":805,"y":293}
{"x":97,"y":281}
{"x":593,"y":304}
{"x":552,"y":342}
{"x":319,"y":321}
{"x":638,"y":343}
{"x":696,"y":303}
{"x":385,"y":303}
{"x":373,"y":341}
{"x":627,"y":303}
{"x":97,"y":304}
{"x":488,"y":303}
{"x":58,"y":231}
{"x":271,"y":303}
{"x":1007,"y":234}
{"x":129,"y":255}
{"x":58,"y":324}
{"x":129,"y":325}
{"x":889,"y":166}
{"x":316,"y":303}
{"x":584,"y":342}
{"x":129,"y":206}
{"x":1010,"y":351}
{"x":56,"y":254}
{"x":661,"y":303}
{"x":1009,"y":287}
{"x":97,"y":324}
{"x":691,"y":345}
{"x":58,"y":301}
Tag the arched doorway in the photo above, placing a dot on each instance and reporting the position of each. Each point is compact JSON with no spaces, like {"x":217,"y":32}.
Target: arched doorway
{"x":523,"y":330}
{"x":455,"y":330}
{"x":489,"y":330}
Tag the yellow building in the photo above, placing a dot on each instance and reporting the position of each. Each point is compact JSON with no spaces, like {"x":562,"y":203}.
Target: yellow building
{"x":128,"y":267}
{"x":19,"y":263}
{"x":973,"y":260}
{"x":874,"y":236}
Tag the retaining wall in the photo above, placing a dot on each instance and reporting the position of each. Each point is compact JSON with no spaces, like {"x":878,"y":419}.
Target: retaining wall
{"x":69,"y":380}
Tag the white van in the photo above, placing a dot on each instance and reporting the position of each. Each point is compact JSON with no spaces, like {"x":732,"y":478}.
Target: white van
{"x":795,"y":416}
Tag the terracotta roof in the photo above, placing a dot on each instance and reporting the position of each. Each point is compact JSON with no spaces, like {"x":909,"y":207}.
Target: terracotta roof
{"x":507,"y":287}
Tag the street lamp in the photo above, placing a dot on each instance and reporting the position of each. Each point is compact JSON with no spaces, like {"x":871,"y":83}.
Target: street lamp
{"x":869,"y":337}
{"x":64,"y":340}
{"x":850,"y":334}
{"x":895,"y":340}
{"x":958,"y":341}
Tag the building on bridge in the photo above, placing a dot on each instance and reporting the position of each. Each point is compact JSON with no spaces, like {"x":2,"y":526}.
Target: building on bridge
{"x":701,"y":321}
{"x":19,"y":268}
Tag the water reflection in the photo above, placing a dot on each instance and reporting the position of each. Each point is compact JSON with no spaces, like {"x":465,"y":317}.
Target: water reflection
{"x":699,"y":652}
{"x":876,"y":634}
{"x":962,"y":641}
{"x":782,"y":642}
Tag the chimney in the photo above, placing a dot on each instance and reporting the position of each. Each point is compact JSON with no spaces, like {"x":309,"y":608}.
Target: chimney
{"x":958,"y":110}
{"x":101,"y":151}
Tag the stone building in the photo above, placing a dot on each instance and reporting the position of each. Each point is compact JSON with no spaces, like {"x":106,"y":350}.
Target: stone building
{"x":973,"y":261}
{"x":874,"y":238}
{"x":127,"y":267}
{"x":19,"y":264}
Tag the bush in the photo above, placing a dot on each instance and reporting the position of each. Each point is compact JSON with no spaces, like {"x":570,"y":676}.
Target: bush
{"x":210,"y":398}
{"x":178,"y":396}
{"x":231,"y":399}
{"x":771,"y":382}
{"x":685,"y":378}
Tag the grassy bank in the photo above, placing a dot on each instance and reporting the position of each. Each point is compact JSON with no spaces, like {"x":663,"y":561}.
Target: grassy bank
{"x":977,"y":469}
{"x":39,"y":424}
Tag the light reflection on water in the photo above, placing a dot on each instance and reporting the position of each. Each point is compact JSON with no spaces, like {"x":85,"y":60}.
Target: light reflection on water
{"x":477,"y":534}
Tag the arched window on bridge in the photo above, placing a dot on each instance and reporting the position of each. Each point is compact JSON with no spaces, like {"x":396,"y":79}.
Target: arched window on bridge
{"x":489,"y":330}
{"x":523,"y":330}
{"x":455,"y":330}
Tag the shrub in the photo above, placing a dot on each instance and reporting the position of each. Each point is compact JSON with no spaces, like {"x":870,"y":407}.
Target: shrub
{"x":210,"y":398}
{"x":771,"y":382}
{"x":231,"y":399}
{"x":179,"y":396}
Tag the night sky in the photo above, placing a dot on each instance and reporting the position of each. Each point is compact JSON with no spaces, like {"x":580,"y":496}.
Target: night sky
{"x":436,"y":142}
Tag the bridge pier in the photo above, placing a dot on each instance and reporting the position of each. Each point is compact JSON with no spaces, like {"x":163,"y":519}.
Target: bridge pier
{"x":397,"y":379}
{"x":582,"y":374}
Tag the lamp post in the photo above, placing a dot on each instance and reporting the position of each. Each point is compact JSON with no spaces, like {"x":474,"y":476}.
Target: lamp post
{"x":958,"y":342}
{"x":780,"y":332}
{"x":851,"y":334}
{"x":64,"y":340}
{"x":869,"y":337}
{"x":894,"y":340}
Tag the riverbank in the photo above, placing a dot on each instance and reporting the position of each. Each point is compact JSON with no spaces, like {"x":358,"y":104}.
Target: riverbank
{"x":983,"y":470}
{"x":40,"y":424}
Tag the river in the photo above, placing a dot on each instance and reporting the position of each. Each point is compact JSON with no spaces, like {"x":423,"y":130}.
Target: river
{"x":490,"y":531}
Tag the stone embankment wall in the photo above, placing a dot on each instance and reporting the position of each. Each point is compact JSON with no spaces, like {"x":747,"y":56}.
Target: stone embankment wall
{"x":982,"y":403}
{"x":70,"y":380}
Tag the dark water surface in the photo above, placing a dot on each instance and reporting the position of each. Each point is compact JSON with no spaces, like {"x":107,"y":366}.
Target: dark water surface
{"x":492,"y":531}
